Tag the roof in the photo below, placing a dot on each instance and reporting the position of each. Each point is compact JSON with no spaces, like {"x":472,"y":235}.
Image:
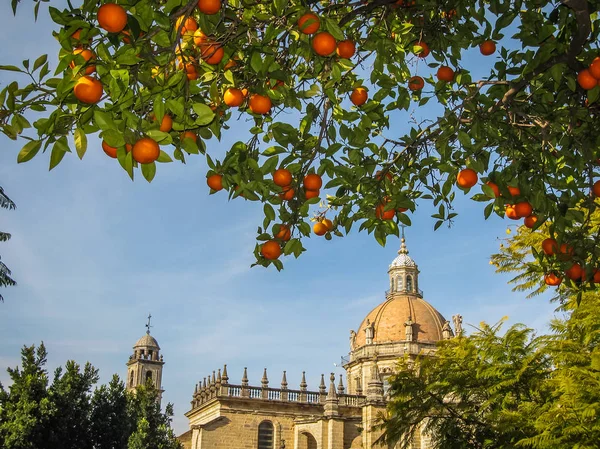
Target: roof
{"x":403,"y":259}
{"x":388,"y":320}
{"x":147,"y":341}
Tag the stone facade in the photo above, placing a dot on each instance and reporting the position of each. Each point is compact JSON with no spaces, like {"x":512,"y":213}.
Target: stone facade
{"x":241,"y":416}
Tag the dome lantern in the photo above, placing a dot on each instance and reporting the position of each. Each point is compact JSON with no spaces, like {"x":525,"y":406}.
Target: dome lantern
{"x":404,"y":273}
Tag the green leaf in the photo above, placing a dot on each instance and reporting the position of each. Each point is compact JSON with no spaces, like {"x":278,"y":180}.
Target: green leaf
{"x":80,"y":142}
{"x":39,"y":62}
{"x":149,"y":171}
{"x":204,"y":112}
{"x":10,"y":68}
{"x":104,"y":120}
{"x":164,"y":157}
{"x":256,"y":62}
{"x":269,"y":212}
{"x":29,"y":151}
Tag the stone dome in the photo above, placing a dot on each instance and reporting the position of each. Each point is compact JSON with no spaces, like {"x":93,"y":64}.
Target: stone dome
{"x":388,"y":320}
{"x":403,"y":260}
{"x":147,"y":341}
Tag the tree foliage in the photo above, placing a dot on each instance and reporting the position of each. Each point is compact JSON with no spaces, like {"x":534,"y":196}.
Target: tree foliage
{"x":5,"y":274}
{"x":523,"y":124}
{"x":70,"y":414}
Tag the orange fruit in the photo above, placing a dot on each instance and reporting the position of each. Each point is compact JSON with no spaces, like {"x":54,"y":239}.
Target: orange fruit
{"x":271,"y":250}
{"x":530,"y":221}
{"x":146,"y":150}
{"x":192,"y":75}
{"x":494,"y":187}
{"x":466,"y":178}
{"x":311,"y":193}
{"x":111,"y":151}
{"x":88,"y":90}
{"x":487,"y":48}
{"x":595,"y":68}
{"x":596,"y":277}
{"x":514,"y":191}
{"x":230,"y":64}
{"x":282,"y":177}
{"x":565,"y":252}
{"x":416,"y":83}
{"x":345,"y":49}
{"x":552,"y":279}
{"x":112,"y":17}
{"x":199,"y":37}
{"x":87,"y":55}
{"x":166,"y":124}
{"x":312,"y":182}
{"x":309,"y":23}
{"x":189,"y":25}
{"x":287,"y":194}
{"x":284,"y":233}
{"x":233,"y":97}
{"x":586,"y":80}
{"x":260,"y":104}
{"x":523,"y":209}
{"x":189,"y":135}
{"x":596,"y":189}
{"x":77,"y":34}
{"x":378,"y":176}
{"x":359,"y":96}
{"x":575,"y":272}
{"x":511,"y":212}
{"x":323,"y":43}
{"x":383,"y":214}
{"x":549,"y":246}
{"x":328,"y":223}
{"x":445,"y":73}
{"x":212,"y":53}
{"x":423,"y":51}
{"x":209,"y":6}
{"x":320,"y":228}
{"x":215,"y":182}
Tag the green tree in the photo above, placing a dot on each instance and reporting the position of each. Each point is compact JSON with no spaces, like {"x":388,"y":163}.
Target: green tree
{"x":5,"y":274}
{"x":479,"y":391}
{"x":110,"y":423}
{"x":526,"y":125}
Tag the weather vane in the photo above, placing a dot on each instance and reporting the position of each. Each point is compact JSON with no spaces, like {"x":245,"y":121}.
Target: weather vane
{"x":148,"y":324}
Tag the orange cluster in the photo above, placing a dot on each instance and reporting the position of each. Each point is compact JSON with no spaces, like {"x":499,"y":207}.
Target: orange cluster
{"x":323,"y":43}
{"x":590,"y":77}
{"x":564,"y":252}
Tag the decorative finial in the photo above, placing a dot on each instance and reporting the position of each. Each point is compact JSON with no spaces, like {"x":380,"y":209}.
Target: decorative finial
{"x":403,"y":249}
{"x":225,"y":376}
{"x":265,"y":380}
{"x":322,"y":388}
{"x":340,"y":387}
{"x":245,"y":377}
{"x":303,"y":383}
{"x":284,"y":382}
{"x":148,"y":324}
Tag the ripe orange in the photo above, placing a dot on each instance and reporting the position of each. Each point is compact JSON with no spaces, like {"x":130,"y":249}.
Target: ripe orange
{"x":565,"y":252}
{"x":596,"y":277}
{"x":596,"y":189}
{"x":230,"y":64}
{"x":167,"y":123}
{"x":320,"y":228}
{"x":416,"y":83}
{"x":271,"y":250}
{"x":284,"y":233}
{"x":309,"y":23}
{"x":523,"y":209}
{"x":146,"y":150}
{"x":595,"y":68}
{"x":328,"y":223}
{"x":87,"y":56}
{"x":282,"y":177}
{"x":549,"y":246}
{"x":487,"y":48}
{"x":111,"y":151}
{"x":383,"y":214}
{"x":189,"y":135}
{"x":511,"y":212}
{"x":77,"y":34}
{"x":466,"y":178}
{"x":192,"y":75}
{"x":199,"y":37}
{"x":112,"y":17}
{"x":212,"y":53}
{"x":189,"y":25}
{"x":287,"y":194}
{"x":378,"y":176}
{"x":324,"y":43}
{"x":494,"y":187}
{"x":514,"y":191}
{"x":575,"y":272}
{"x":346,"y":49}
{"x":311,"y":193}
{"x":209,"y":6}
{"x":359,"y":96}
{"x":312,"y":181}
{"x":233,"y":97}
{"x":260,"y":104}
{"x":552,"y":279}
{"x":445,"y":73}
{"x":586,"y":80}
{"x":88,"y":90}
{"x":530,"y":221}
{"x":423,"y":51}
{"x":215,"y":182}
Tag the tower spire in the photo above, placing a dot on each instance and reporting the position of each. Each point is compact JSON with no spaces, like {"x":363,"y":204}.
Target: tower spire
{"x":403,"y":249}
{"x":148,"y":324}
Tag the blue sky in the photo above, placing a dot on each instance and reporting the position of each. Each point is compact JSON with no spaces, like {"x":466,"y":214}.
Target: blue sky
{"x":94,"y":253}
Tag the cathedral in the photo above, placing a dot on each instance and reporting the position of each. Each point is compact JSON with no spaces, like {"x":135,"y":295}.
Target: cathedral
{"x":231,"y":415}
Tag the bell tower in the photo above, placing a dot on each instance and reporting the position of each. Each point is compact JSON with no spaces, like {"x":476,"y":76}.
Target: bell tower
{"x":404,"y":273}
{"x":146,"y":363}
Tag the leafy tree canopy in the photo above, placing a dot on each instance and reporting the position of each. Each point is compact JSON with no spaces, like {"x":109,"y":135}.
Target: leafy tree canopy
{"x":324,"y":85}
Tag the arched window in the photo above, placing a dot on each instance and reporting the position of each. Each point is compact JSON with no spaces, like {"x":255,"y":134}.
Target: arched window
{"x":131,"y":378}
{"x":148,"y":376}
{"x":398,"y":283}
{"x":265,"y":435}
{"x":409,"y":286}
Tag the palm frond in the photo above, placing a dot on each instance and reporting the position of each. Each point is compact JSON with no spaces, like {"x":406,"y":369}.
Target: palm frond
{"x":5,"y":201}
